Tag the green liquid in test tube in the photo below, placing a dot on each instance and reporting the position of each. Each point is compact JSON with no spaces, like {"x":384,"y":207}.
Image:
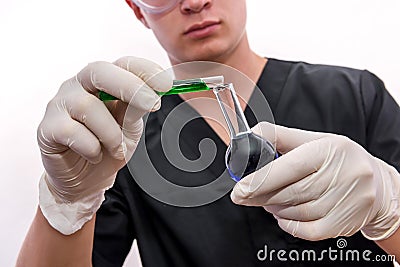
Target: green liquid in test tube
{"x":181,"y":86}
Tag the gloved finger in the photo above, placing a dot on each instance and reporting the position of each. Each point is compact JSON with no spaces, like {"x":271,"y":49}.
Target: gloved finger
{"x":311,"y":230}
{"x":131,"y":123}
{"x":286,"y":139}
{"x":127,"y":117}
{"x":91,"y":112}
{"x":282,"y":172}
{"x":315,"y":230}
{"x":307,"y":211}
{"x":151,"y":73}
{"x":58,"y":133}
{"x":307,"y":189}
{"x":130,"y":120}
{"x":124,"y":85}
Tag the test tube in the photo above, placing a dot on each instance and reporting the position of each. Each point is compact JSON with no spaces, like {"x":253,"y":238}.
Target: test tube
{"x":180,"y":87}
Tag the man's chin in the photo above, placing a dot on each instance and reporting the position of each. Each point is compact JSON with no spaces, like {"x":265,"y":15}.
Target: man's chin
{"x":206,"y":55}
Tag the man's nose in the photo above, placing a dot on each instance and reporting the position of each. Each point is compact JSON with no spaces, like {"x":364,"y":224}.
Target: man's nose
{"x":194,"y":6}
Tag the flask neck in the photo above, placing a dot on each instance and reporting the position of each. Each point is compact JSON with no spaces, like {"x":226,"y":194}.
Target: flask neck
{"x":230,"y":107}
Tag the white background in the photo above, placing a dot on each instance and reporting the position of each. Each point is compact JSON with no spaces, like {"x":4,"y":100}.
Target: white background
{"x":44,"y":42}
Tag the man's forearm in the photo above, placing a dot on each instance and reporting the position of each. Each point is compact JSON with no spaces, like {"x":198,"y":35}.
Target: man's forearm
{"x":391,"y":245}
{"x":44,"y":246}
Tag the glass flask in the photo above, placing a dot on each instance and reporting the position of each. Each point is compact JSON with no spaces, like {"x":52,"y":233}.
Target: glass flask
{"x":247,"y":152}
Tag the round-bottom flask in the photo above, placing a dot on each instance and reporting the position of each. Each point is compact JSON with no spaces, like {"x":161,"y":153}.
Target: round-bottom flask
{"x":247,"y":152}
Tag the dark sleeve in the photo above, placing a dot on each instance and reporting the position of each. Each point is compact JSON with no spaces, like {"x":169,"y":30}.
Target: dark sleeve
{"x":114,"y":232}
{"x":383,"y":120}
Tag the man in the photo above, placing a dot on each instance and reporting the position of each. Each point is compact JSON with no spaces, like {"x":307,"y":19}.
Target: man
{"x":322,"y":187}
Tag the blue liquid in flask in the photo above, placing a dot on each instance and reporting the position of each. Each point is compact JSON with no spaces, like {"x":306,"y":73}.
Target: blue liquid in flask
{"x":247,"y":152}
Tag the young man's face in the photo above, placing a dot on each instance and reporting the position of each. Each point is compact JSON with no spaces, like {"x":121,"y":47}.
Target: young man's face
{"x":198,"y":29}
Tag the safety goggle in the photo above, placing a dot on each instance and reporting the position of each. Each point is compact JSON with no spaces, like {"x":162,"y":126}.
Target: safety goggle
{"x":156,"y":6}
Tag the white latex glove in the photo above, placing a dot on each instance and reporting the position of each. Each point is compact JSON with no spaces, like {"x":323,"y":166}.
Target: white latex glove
{"x":82,"y":141}
{"x":323,"y":186}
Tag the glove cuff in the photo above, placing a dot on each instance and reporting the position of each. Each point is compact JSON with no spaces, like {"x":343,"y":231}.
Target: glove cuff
{"x":387,"y":220}
{"x":67,"y":217}
{"x":371,"y":234}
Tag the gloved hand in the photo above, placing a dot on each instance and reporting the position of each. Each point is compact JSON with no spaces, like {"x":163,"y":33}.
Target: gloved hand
{"x":323,"y":186}
{"x":84,"y":142}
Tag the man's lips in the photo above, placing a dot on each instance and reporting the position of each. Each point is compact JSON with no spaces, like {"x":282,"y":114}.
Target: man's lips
{"x":202,"y":29}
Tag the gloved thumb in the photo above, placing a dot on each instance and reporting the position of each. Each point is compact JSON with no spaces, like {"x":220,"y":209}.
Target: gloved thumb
{"x":283,"y":138}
